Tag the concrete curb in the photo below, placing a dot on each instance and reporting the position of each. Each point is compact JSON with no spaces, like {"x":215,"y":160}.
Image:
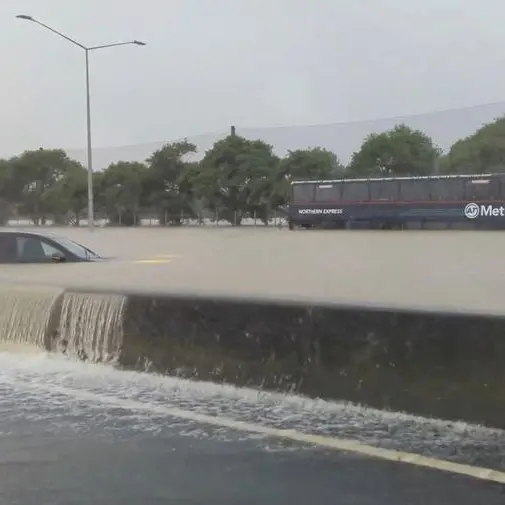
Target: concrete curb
{"x":435,"y":364}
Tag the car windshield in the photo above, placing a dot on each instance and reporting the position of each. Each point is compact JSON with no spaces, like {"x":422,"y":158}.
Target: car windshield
{"x":75,"y":248}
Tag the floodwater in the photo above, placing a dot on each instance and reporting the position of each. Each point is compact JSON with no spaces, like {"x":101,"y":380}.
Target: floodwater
{"x":410,"y":269}
{"x":80,"y":433}
{"x":74,"y":432}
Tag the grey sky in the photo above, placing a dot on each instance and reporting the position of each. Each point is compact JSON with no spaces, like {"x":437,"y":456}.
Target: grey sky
{"x":254,"y":63}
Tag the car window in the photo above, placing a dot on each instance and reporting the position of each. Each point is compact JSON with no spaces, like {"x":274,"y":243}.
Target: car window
{"x":49,"y":249}
{"x":75,"y":248}
{"x":33,"y":249}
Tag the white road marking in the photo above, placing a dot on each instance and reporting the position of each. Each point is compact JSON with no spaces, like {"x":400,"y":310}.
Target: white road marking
{"x":340,"y":444}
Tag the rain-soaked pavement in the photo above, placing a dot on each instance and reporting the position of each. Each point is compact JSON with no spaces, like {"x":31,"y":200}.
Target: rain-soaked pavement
{"x":76,"y":433}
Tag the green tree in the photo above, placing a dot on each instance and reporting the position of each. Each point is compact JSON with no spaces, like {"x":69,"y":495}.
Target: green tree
{"x":121,"y":187}
{"x":315,"y":163}
{"x":482,"y":152}
{"x":167,"y":187}
{"x":235,"y":178}
{"x":67,"y":198}
{"x":34,"y":175}
{"x":6,"y":195}
{"x":397,"y":152}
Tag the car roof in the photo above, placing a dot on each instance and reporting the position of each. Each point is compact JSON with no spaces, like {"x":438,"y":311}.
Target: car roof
{"x":28,"y":233}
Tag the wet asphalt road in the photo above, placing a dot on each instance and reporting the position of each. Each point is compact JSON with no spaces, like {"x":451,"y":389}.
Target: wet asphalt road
{"x":72,"y":433}
{"x":50,"y":469}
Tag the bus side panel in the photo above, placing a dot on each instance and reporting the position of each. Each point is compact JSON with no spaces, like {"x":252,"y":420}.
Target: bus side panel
{"x":406,"y":214}
{"x":430,"y":202}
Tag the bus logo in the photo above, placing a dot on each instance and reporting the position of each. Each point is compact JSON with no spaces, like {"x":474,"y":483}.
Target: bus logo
{"x":472,"y":210}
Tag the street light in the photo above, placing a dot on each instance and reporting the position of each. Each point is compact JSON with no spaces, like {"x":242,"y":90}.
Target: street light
{"x":86,"y":49}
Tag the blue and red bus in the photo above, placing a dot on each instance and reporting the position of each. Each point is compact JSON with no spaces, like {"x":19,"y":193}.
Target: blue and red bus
{"x":451,"y":201}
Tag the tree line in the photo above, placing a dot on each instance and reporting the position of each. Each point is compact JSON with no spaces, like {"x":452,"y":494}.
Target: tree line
{"x":237,"y":178}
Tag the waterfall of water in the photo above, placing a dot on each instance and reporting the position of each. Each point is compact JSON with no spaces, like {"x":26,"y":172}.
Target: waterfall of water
{"x":26,"y":315}
{"x":91,"y":325}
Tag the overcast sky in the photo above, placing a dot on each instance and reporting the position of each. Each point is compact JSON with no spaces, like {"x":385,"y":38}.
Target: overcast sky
{"x":254,"y":63}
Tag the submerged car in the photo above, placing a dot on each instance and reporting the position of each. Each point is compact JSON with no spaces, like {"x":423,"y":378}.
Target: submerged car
{"x":35,"y":247}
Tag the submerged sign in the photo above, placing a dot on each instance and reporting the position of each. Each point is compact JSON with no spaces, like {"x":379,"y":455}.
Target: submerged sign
{"x":474,"y":210}
{"x":321,"y":212}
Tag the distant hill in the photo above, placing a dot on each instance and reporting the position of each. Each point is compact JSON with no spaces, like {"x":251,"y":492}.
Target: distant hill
{"x":445,"y":127}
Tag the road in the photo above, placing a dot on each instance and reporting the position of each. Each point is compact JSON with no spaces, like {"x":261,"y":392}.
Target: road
{"x":72,"y":433}
{"x":172,"y":469}
{"x":444,"y":270}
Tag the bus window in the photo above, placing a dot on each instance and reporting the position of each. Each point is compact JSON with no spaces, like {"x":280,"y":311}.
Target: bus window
{"x":328,"y":193}
{"x":415,"y":190}
{"x":482,"y":189}
{"x":449,"y":189}
{"x":357,"y":191}
{"x":384,"y":190}
{"x":303,"y":192}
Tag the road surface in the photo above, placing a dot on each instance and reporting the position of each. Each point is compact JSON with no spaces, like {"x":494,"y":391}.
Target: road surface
{"x":72,"y":433}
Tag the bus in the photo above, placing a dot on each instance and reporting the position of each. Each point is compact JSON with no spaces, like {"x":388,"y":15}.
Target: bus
{"x":437,"y":201}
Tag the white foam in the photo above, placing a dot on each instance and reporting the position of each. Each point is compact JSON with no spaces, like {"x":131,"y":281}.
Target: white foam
{"x":276,"y":409}
{"x":98,"y":394}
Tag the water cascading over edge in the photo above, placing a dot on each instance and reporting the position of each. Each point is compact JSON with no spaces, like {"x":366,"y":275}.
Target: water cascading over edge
{"x":91,"y":326}
{"x":26,"y":316}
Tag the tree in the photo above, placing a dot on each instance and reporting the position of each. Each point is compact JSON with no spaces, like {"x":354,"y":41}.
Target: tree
{"x":482,"y":152}
{"x":397,"y":152}
{"x":121,"y":187}
{"x":34,"y":175}
{"x":68,"y":197}
{"x":235,"y":178}
{"x":315,"y":163}
{"x":166,"y":186}
{"x":6,"y":199}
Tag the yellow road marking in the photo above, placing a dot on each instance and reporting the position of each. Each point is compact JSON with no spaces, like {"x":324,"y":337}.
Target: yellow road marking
{"x":153,"y":261}
{"x":158,"y":259}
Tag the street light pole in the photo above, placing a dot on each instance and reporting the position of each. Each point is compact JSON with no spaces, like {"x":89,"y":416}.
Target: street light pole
{"x":89,"y":147}
{"x":86,"y":49}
